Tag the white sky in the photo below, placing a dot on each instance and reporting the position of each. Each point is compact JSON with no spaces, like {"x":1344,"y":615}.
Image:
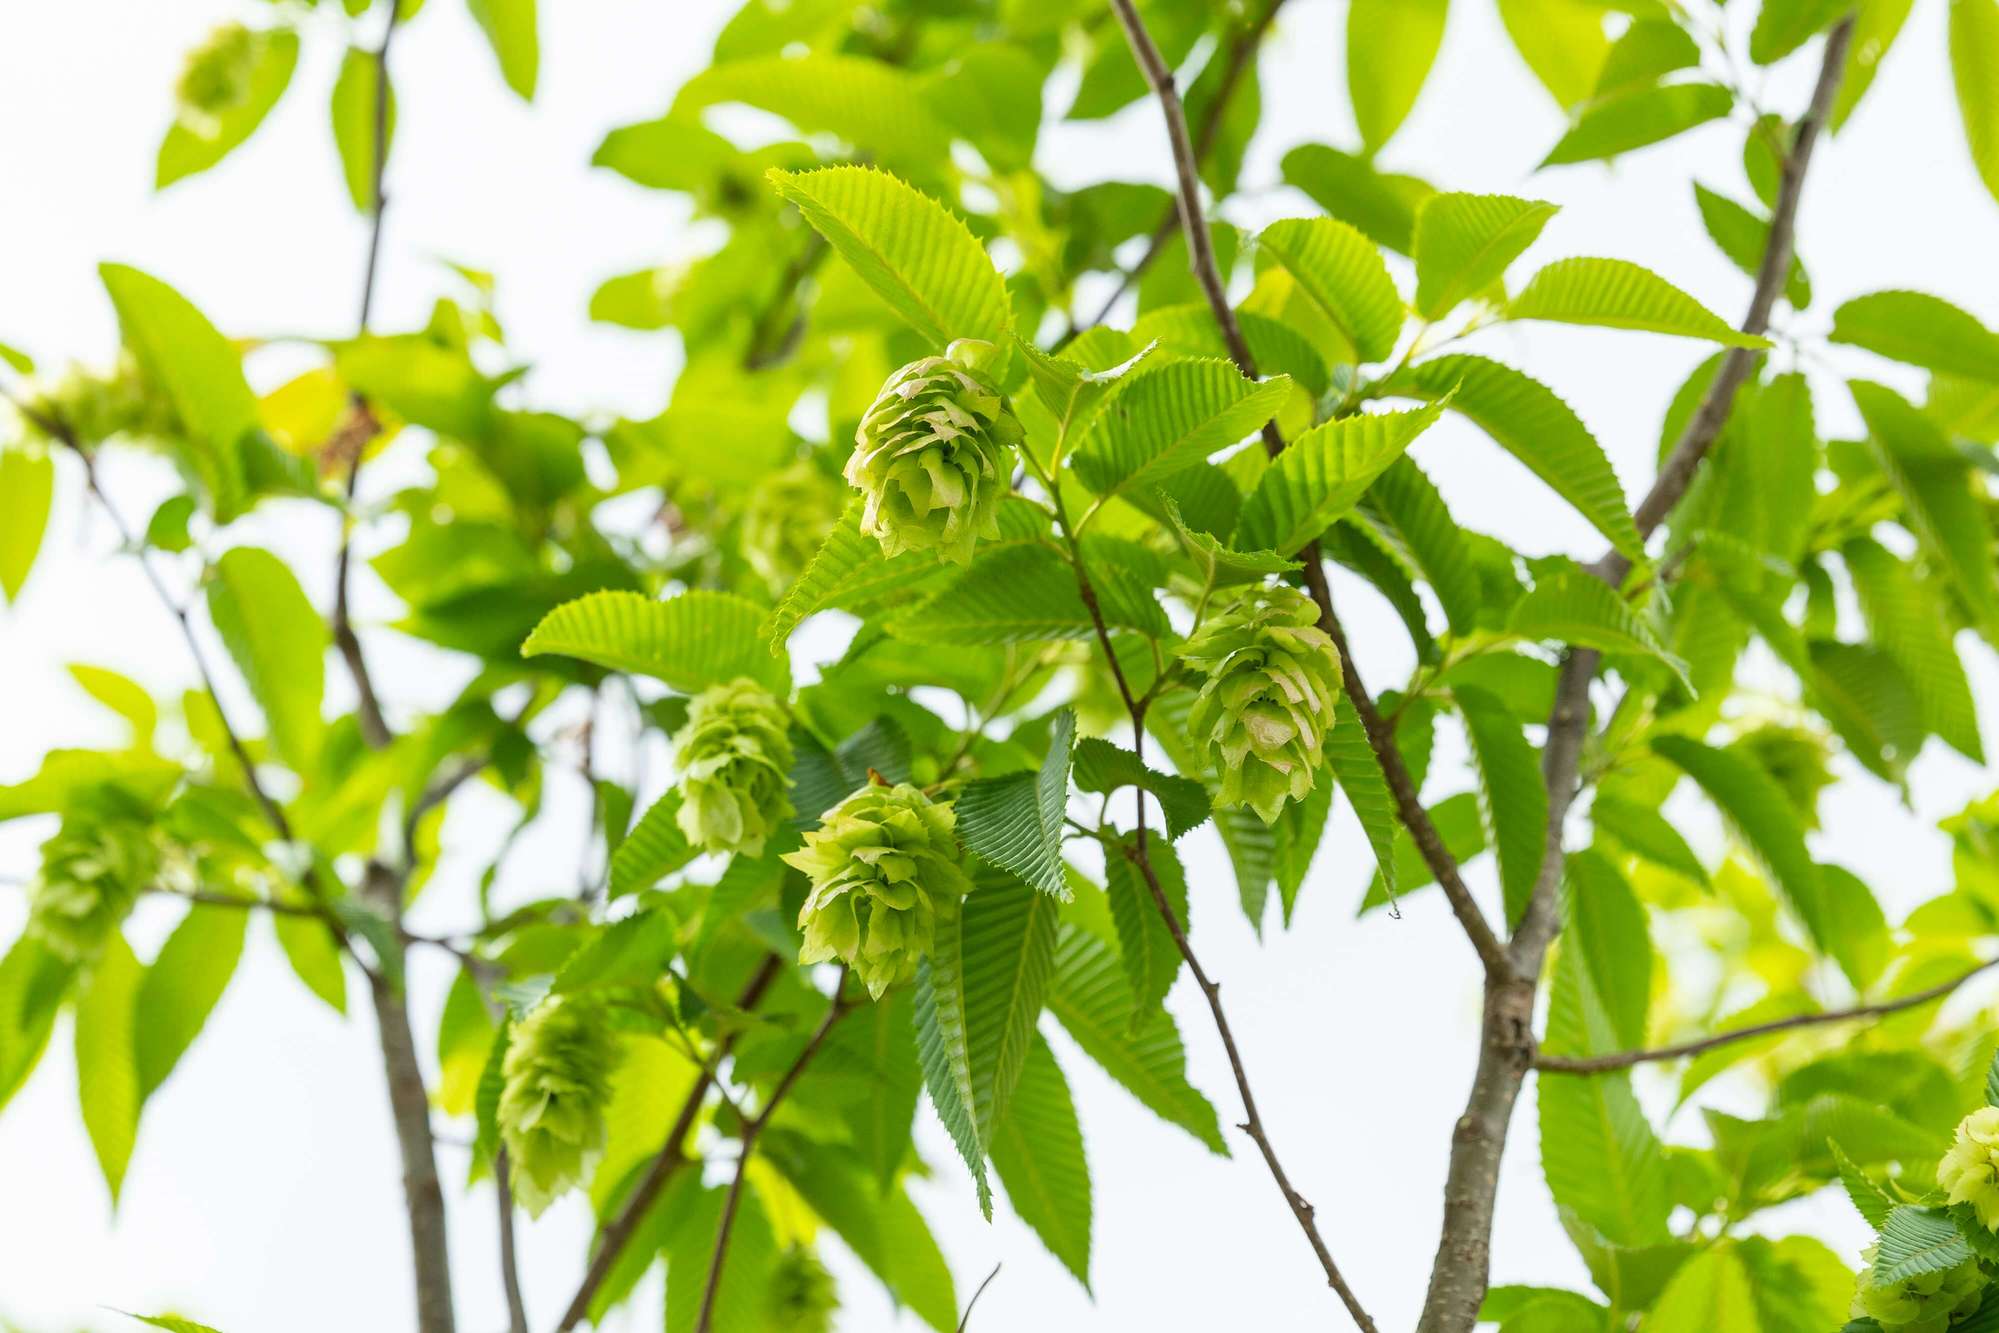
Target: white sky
{"x":265,"y":1194}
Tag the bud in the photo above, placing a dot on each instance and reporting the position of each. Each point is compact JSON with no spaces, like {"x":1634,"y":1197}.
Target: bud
{"x":934,"y":455}
{"x":1272,"y":683}
{"x":1926,"y":1303}
{"x":734,"y":756}
{"x":802,"y":1294}
{"x":875,"y":864}
{"x":92,"y":873}
{"x":557,"y":1076}
{"x":1970,"y":1170}
{"x":788,"y":516}
{"x":217,"y":77}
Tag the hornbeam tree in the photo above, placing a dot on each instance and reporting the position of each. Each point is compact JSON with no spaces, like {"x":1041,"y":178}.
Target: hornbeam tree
{"x":1060,"y":472}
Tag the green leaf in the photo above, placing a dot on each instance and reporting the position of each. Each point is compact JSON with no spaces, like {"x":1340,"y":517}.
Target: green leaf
{"x":1511,"y":799}
{"x":107,"y":1069}
{"x":1342,"y":273}
{"x":191,"y":148}
{"x":182,"y":986}
{"x":1607,"y":923}
{"x":1576,"y":607}
{"x":1358,"y":771}
{"x":1015,"y":821}
{"x":880,"y":1120}
{"x":654,"y":849}
{"x":1531,"y":422}
{"x":464,"y":1041}
{"x":27,"y":487}
{"x":33,"y":985}
{"x":201,"y":373}
{"x":172,"y":1323}
{"x":1406,"y":510}
{"x":1875,"y":28}
{"x":1974,"y":67}
{"x":1915,"y":1241}
{"x":1071,"y":391}
{"x":1650,"y":49}
{"x":1391,"y":45}
{"x":1021,"y":594}
{"x":943,"y":1045}
{"x":1639,"y":117}
{"x":1562,"y":41}
{"x":1617,"y":294}
{"x":847,"y":570}
{"x":1464,"y":243}
{"x":122,"y":695}
{"x":1710,"y":1291}
{"x":691,"y":641}
{"x":881,"y":110}
{"x":1463,"y":831}
{"x":1038,"y":1152}
{"x":631,"y":951}
{"x":1992,"y":1081}
{"x":1103,"y":767}
{"x":1744,"y":237}
{"x":510,"y":28}
{"x":1091,"y":1000}
{"x":1009,"y":954}
{"x":1869,"y":1199}
{"x":1323,"y":474}
{"x":354,"y":116}
{"x":1920,"y":329}
{"x":1145,"y":945}
{"x":1643,"y":830}
{"x":1943,"y":509}
{"x":1381,"y":205}
{"x":910,"y":249}
{"x":1170,"y":417}
{"x":1782,"y":26}
{"x":314,"y":954}
{"x":278,"y":642}
{"x":1907,"y":622}
{"x":742,"y":1292}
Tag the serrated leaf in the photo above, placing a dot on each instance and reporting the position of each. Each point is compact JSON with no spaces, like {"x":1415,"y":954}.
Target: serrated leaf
{"x":353,"y":112}
{"x":1391,"y":45}
{"x":880,"y":1120}
{"x":511,"y":31}
{"x":1907,"y":622}
{"x":192,"y":147}
{"x":653,"y":849}
{"x":27,"y":488}
{"x":1071,"y":391}
{"x":310,"y":947}
{"x":1710,"y":1291}
{"x":1992,"y":1081}
{"x":1650,"y":49}
{"x":848,"y":569}
{"x":1300,"y":827}
{"x":1145,"y":945}
{"x":1224,"y":565}
{"x":943,"y":1043}
{"x":1359,"y":774}
{"x":1744,"y":237}
{"x":1015,"y":821}
{"x":1782,"y":26}
{"x":743,"y":1286}
{"x":1575,"y":607}
{"x":172,"y":1323}
{"x":182,"y":987}
{"x":1088,"y":995}
{"x":1531,"y":422}
{"x":1038,"y":1152}
{"x":1919,"y":329}
{"x":1645,"y":831}
{"x":631,"y":951}
{"x":911,"y":250}
{"x":1464,"y":243}
{"x":878,"y":108}
{"x":1103,"y":767}
{"x":278,"y":642}
{"x":1875,"y":28}
{"x":691,"y":641}
{"x":1323,"y":473}
{"x":107,"y":1068}
{"x":33,"y":985}
{"x":1974,"y":67}
{"x":1512,"y":801}
{"x":1023,"y":594}
{"x":1458,"y":824}
{"x":1342,"y":273}
{"x":1562,"y":41}
{"x":1276,"y":347}
{"x":1607,"y":923}
{"x":1008,"y":958}
{"x":1869,"y":1199}
{"x":464,"y":1040}
{"x":1915,"y":1241}
{"x":1171,"y":417}
{"x":1638,"y":117}
{"x":1617,"y":294}
{"x":1381,"y":205}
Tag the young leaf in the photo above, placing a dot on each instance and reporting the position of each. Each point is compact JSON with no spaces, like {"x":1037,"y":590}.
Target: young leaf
{"x":1641,"y":829}
{"x":171,"y":1323}
{"x":1071,"y":391}
{"x":1905,"y":619}
{"x":847,"y":569}
{"x":182,"y":986}
{"x":354,"y":124}
{"x":33,"y":985}
{"x":655,"y":847}
{"x":309,"y":946}
{"x":1359,"y":775}
{"x":1391,"y":45}
{"x":1563,"y":43}
{"x":189,"y":149}
{"x":1512,"y":800}
{"x":1103,"y":767}
{"x":1915,"y":1241}
{"x":107,"y":1069}
{"x":464,"y":1040}
{"x":1712,"y":1290}
{"x":27,"y":487}
{"x":1875,"y":28}
{"x":1607,"y":923}
{"x":1637,"y":118}
{"x":1743,"y":237}
{"x":1381,"y":206}
{"x":943,"y":1044}
{"x":1408,"y":508}
{"x":1974,"y":67}
{"x":1575,"y":607}
{"x":1171,"y":417}
{"x":910,"y":249}
{"x":1008,"y":957}
{"x":1015,"y":821}
{"x":511,"y":30}
{"x":1323,"y":474}
{"x":278,"y":642}
{"x":1024,"y":594}
{"x":691,"y":641}
{"x":1145,"y":944}
{"x":1650,"y":49}
{"x":1869,"y":1199}
{"x":1341,"y":272}
{"x":1038,"y":1152}
{"x":884,"y":111}
{"x":1920,"y":329}
{"x":1617,"y":294}
{"x":1464,"y":243}
{"x":1782,"y":26}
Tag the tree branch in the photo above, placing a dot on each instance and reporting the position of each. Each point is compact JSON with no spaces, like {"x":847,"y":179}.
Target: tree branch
{"x":965,"y":1322}
{"x":1458,"y":1278}
{"x":751,"y":1132}
{"x":510,"y":1272}
{"x":669,"y":1161}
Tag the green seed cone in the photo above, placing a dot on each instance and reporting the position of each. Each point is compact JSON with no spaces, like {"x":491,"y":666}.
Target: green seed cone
{"x":734,"y":756}
{"x":92,"y":873}
{"x":787,"y":517}
{"x":1926,"y":1303}
{"x":557,"y":1075}
{"x":1970,"y":1170}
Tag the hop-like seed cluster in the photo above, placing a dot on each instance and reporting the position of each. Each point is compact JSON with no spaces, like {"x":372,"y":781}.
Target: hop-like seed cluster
{"x":1970,"y":1170}
{"x":1271,"y":684}
{"x":217,"y":76}
{"x":1926,"y":1303}
{"x":734,"y":756}
{"x":788,"y":516}
{"x":557,"y":1075}
{"x":877,"y":863}
{"x":934,"y":455}
{"x":95,"y":406}
{"x":92,"y":873}
{"x":803,"y":1296}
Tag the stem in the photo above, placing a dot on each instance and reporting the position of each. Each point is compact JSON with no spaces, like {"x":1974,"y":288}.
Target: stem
{"x":510,"y":1272}
{"x":751,"y":1131}
{"x":1458,"y":1279}
{"x":965,"y":1322}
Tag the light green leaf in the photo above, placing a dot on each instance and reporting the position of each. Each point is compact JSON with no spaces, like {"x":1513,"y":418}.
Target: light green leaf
{"x":354,"y":116}
{"x":172,"y":1323}
{"x":279,"y":644}
{"x":881,"y":110}
{"x":1464,"y":243}
{"x":1023,"y":594}
{"x":1922,"y":330}
{"x":1391,"y":45}
{"x":1015,"y":821}
{"x":27,"y":487}
{"x":742,"y":1292}
{"x":1381,"y":205}
{"x":1575,"y":607}
{"x":1562,"y":41}
{"x":1408,"y":509}
{"x":1145,"y":945}
{"x":910,"y":249}
{"x":464,"y":1040}
{"x":1322,"y":475}
{"x":653,"y":849}
{"x":943,"y":1043}
{"x":107,"y":1069}
{"x":1359,"y":774}
{"x":1170,"y":417}
{"x":182,"y":986}
{"x":1875,"y":28}
{"x":1038,"y":1152}
{"x":1906,"y":620}
{"x":1743,"y":237}
{"x":1617,"y":294}
{"x":691,"y":641}
{"x":1511,"y":799}
{"x":1008,"y":958}
{"x":191,"y":148}
{"x":1782,"y":26}
{"x":122,"y":695}
{"x":1710,"y":1291}
{"x":650,"y":1074}
{"x":1342,"y":273}
{"x":33,"y":985}
{"x":1974,"y":66}
{"x":1641,"y":829}
{"x":510,"y":28}
{"x":1457,"y":822}
{"x":880,"y":1120}
{"x":309,"y":946}
{"x":847,"y":570}
{"x":1869,"y":1199}
{"x":1103,"y":767}
{"x":1071,"y":391}
{"x":1650,"y":49}
{"x":1607,"y":924}
{"x":1915,"y":1241}
{"x":1637,"y":118}
{"x":1090,"y":998}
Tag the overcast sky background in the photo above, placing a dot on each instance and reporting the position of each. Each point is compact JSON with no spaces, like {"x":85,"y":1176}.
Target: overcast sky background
{"x":264,"y":1193}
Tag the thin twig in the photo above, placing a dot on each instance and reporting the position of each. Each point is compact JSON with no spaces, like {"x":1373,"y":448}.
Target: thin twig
{"x":510,"y":1272}
{"x":669,"y":1160}
{"x":970,"y":1305}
